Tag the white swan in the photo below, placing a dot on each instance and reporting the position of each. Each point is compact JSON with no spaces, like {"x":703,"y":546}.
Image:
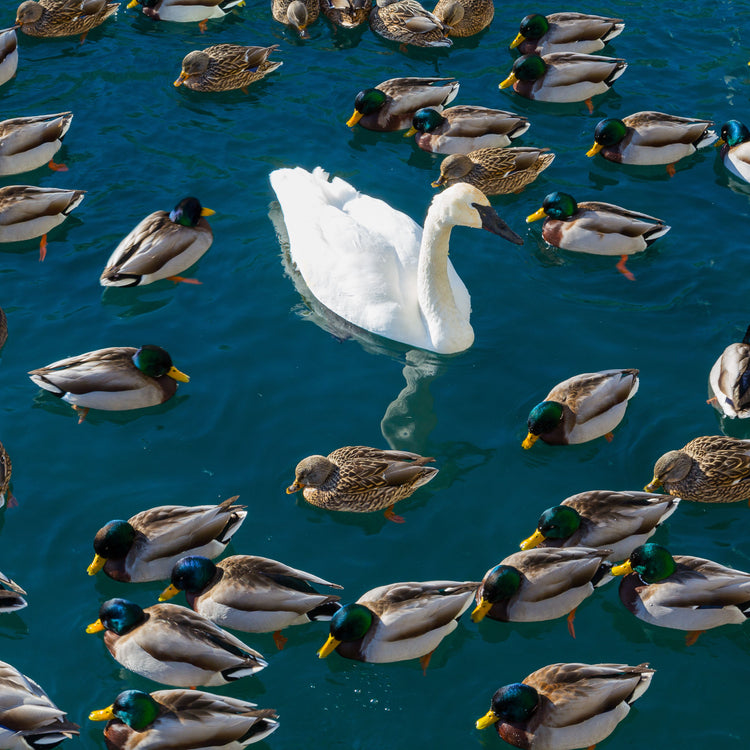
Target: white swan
{"x":374,"y":266}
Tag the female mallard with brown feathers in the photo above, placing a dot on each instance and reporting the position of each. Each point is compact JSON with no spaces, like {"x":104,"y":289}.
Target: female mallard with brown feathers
{"x":173,"y":645}
{"x":709,"y":469}
{"x":465,"y":17}
{"x":582,"y":408}
{"x":603,"y":519}
{"x":565,"y":706}
{"x":183,"y":720}
{"x":62,"y":18}
{"x":729,"y":380}
{"x":161,"y":246}
{"x":148,"y":544}
{"x":185,"y":11}
{"x":112,"y":379}
{"x":398,"y":621}
{"x":359,"y":479}
{"x":407,"y":22}
{"x":8,"y":54}
{"x":495,"y":171}
{"x":541,"y":584}
{"x":298,"y":14}
{"x":682,"y":592}
{"x":223,"y":67}
{"x":29,"y":142}
{"x":565,"y":32}
{"x":11,"y":595}
{"x":346,"y":13}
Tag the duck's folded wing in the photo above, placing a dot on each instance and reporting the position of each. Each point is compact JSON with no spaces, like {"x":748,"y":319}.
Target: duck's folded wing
{"x":590,"y":394}
{"x":108,"y":369}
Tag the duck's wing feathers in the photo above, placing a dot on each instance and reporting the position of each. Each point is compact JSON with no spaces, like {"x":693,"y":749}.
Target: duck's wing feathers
{"x":19,"y":203}
{"x":657,"y":129}
{"x":731,"y":376}
{"x":576,"y":27}
{"x":412,"y":93}
{"x":606,"y":217}
{"x":590,"y":394}
{"x":235,"y":58}
{"x":570,"y":68}
{"x":11,"y":585}
{"x":362,"y":469}
{"x":724,"y":461}
{"x":468,"y":121}
{"x":20,"y":134}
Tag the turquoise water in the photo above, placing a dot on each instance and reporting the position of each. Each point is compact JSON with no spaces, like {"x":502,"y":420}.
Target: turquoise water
{"x":268,"y":388}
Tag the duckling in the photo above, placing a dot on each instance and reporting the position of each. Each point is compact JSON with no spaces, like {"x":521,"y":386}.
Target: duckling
{"x":112,"y":379}
{"x":564,"y":706}
{"x":541,"y":584}
{"x":27,"y":212}
{"x":603,"y":519}
{"x":465,"y":128}
{"x":709,"y":469}
{"x":28,"y":718}
{"x":407,"y":22}
{"x":147,"y":545}
{"x":62,"y":18}
{"x":565,"y":32}
{"x":646,"y":138}
{"x":5,"y":472}
{"x":465,"y":17}
{"x":729,"y":380}
{"x":161,"y":246}
{"x":682,"y":592}
{"x":735,"y":148}
{"x":359,"y":479}
{"x":582,"y":408}
{"x":298,"y":14}
{"x":495,"y":171}
{"x":29,"y":142}
{"x":391,"y":105}
{"x":252,"y":594}
{"x":185,"y":11}
{"x":346,"y":13}
{"x":398,"y":621}
{"x":173,"y":645}
{"x":11,"y":597}
{"x":183,"y":720}
{"x":223,"y":67}
{"x":564,"y":76}
{"x":598,"y":228}
{"x":8,"y":54}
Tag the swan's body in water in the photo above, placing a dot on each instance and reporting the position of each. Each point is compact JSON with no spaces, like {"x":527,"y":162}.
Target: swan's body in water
{"x":377,"y":268}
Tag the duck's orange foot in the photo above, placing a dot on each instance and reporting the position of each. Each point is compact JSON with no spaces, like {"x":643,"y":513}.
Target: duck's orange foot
{"x":57,"y":167}
{"x":609,"y":437}
{"x":712,"y":400}
{"x":83,"y":37}
{"x":82,"y":412}
{"x":590,"y":106}
{"x":671,"y":170}
{"x":280,"y":640}
{"x":43,"y":248}
{"x":425,"y":660}
{"x":571,"y":628}
{"x":178,"y":279}
{"x":244,"y":90}
{"x":391,"y":516}
{"x":202,"y":26}
{"x":623,"y":269}
{"x":692,"y":637}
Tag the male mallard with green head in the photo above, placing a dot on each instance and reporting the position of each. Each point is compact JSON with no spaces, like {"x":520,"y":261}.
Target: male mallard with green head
{"x":735,"y":148}
{"x":565,"y":32}
{"x":185,"y":11}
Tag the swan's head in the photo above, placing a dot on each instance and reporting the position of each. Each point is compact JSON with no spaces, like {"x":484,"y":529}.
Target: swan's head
{"x":464,"y":205}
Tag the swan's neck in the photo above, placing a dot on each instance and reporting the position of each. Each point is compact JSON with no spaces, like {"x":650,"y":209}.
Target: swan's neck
{"x":449,"y":329}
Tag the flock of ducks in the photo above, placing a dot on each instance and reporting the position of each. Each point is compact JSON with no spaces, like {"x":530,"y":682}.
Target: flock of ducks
{"x":398,"y":283}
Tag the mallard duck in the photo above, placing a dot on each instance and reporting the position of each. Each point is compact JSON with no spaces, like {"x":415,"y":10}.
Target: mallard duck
{"x":183,"y":720}
{"x":565,"y":32}
{"x":407,"y":22}
{"x":645,"y":138}
{"x":28,"y":718}
{"x":374,"y":266}
{"x":173,"y":645}
{"x":682,"y":592}
{"x":566,"y":705}
{"x":5,"y":472}
{"x":495,"y":171}
{"x":735,"y":148}
{"x":465,"y":17}
{"x":11,"y":597}
{"x":112,"y":379}
{"x":729,"y":380}
{"x":29,"y":142}
{"x":161,"y":246}
{"x":391,"y":105}
{"x":62,"y":18}
{"x":27,"y":212}
{"x":399,"y":621}
{"x":223,"y":67}
{"x":298,"y":14}
{"x":465,"y":128}
{"x":185,"y":11}
{"x":598,"y":228}
{"x":359,"y":479}
{"x":148,"y":544}
{"x":252,"y":594}
{"x":582,"y":408}
{"x":603,"y":519}
{"x":541,"y":584}
{"x":8,"y":54}
{"x":346,"y":13}
{"x":709,"y":469}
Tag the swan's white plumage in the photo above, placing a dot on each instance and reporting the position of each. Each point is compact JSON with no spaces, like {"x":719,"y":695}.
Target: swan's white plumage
{"x":359,"y":257}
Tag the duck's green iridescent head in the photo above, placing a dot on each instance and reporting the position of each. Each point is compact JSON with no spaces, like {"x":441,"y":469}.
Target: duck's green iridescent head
{"x":559,"y":522}
{"x":427,"y":119}
{"x":112,"y":542}
{"x":734,"y":132}
{"x":651,"y":561}
{"x":350,"y":623}
{"x":133,"y":707}
{"x":533,"y":26}
{"x":608,"y":132}
{"x":513,"y":703}
{"x":543,"y":418}
{"x":188,"y":212}
{"x":118,"y":615}
{"x":155,"y":362}
{"x":499,"y":584}
{"x":193,"y":573}
{"x":556,"y":205}
{"x":365,"y":103}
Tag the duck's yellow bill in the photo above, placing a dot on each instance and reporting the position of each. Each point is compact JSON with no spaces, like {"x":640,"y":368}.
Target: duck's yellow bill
{"x":175,"y":374}
{"x":168,"y":592}
{"x":95,"y":627}
{"x":292,"y":488}
{"x":622,"y":570}
{"x":328,"y":647}
{"x":182,"y":77}
{"x":540,"y":214}
{"x":354,"y":119}
{"x":653,"y":485}
{"x":481,"y":610}
{"x":529,"y":440}
{"x":595,"y":149}
{"x":508,"y":82}
{"x":487,"y":720}
{"x":517,"y":41}
{"x":96,"y":565}
{"x":438,"y":182}
{"x":207,"y":211}
{"x":103,"y":714}
{"x":533,"y":541}
{"x":409,"y":132}
{"x":132,"y":4}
